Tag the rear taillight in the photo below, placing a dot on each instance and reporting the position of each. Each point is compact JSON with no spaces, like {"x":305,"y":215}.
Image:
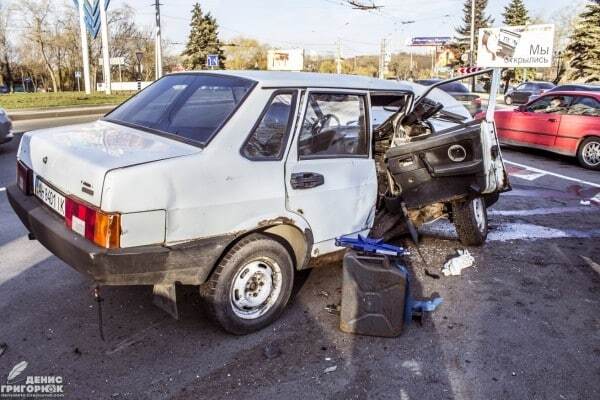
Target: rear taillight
{"x":24,"y":178}
{"x":104,"y":229}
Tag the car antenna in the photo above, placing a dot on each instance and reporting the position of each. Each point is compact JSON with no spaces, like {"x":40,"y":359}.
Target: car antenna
{"x":99,"y":300}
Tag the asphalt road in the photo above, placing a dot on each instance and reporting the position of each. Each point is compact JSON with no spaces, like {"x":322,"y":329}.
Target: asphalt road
{"x":523,"y":324}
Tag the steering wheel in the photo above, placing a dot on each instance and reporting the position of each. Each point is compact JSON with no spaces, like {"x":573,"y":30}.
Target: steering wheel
{"x":324,"y":121}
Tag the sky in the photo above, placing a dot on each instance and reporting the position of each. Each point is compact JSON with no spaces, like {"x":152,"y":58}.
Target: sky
{"x":316,"y":25}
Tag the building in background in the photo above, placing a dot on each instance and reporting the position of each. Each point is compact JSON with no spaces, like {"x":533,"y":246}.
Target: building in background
{"x":285,"y":60}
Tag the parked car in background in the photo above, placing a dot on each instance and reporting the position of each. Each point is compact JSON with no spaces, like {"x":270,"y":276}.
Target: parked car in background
{"x":562,"y":122}
{"x":4,"y":89}
{"x":571,"y":87}
{"x":459,"y":91}
{"x":522,"y":93}
{"x":5,"y":127}
{"x":232,"y":180}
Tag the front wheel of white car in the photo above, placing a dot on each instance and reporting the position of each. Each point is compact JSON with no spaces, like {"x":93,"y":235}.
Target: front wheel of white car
{"x":251,"y":286}
{"x":470,"y":220}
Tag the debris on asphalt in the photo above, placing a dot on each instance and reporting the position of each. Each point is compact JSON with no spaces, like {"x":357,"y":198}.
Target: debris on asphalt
{"x":77,"y":351}
{"x":585,"y":202}
{"x":271,"y":351}
{"x":454,"y":266}
{"x":334,"y":309}
{"x":3,"y":347}
{"x":330,"y":369}
{"x":323,"y":293}
{"x":431,"y":274}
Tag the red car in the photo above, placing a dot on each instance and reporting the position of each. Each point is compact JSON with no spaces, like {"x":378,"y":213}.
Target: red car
{"x":562,"y":122}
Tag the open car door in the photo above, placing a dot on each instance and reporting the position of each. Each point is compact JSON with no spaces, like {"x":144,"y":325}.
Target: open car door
{"x":439,"y":156}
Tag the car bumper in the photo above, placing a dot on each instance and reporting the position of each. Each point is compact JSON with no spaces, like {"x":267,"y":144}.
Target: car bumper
{"x":188,"y":263}
{"x":7,"y":138}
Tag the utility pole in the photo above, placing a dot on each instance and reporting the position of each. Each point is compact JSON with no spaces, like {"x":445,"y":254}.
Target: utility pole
{"x":157,"y":44}
{"x":338,"y":56}
{"x":382,"y":58}
{"x":472,"y":43}
{"x":105,"y":55}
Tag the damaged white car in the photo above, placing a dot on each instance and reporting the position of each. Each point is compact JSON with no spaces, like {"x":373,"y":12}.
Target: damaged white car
{"x":233,"y":180}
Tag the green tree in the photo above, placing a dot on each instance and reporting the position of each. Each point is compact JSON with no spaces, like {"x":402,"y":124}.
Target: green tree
{"x":515,"y":13}
{"x":203,"y":40}
{"x":481,"y":21}
{"x":583,"y":50}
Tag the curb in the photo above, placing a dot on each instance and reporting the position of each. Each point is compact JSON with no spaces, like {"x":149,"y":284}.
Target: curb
{"x":22,"y":115}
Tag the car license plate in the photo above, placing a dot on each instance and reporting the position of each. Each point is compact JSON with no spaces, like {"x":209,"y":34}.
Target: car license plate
{"x":49,"y":196}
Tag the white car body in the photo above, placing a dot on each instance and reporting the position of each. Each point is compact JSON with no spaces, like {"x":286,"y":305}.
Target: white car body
{"x":171,"y":194}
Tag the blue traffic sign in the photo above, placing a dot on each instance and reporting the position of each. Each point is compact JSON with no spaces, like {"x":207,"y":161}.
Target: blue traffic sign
{"x":212,"y":60}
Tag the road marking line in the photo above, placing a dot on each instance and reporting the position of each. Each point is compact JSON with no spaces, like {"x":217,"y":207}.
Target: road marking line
{"x":2,"y":189}
{"x":595,"y":266}
{"x":542,"y":211}
{"x":568,"y":178}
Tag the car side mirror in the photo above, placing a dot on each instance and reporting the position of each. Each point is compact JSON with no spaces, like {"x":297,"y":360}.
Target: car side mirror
{"x":522,"y":108}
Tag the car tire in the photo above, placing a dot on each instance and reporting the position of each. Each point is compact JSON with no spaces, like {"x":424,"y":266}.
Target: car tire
{"x":508,"y":100}
{"x":251,"y":285}
{"x":471,"y":222}
{"x":588,"y":153}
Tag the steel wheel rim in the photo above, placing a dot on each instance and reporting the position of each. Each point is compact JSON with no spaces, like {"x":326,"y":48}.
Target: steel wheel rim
{"x":479,"y":213}
{"x":255,"y":288}
{"x":591,"y":153}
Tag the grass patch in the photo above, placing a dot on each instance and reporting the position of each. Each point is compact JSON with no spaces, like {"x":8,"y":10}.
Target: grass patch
{"x":17,"y":101}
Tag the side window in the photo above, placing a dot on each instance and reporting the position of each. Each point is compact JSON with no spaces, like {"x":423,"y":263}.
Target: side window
{"x":551,"y":105}
{"x":334,"y":125}
{"x":521,"y":87}
{"x":585,"y":106}
{"x":267,"y":139}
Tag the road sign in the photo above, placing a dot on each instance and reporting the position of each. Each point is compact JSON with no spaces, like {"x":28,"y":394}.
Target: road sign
{"x":77,"y":74}
{"x":430,"y":41}
{"x":468,"y":70}
{"x":212,"y":60}
{"x":529,"y":46}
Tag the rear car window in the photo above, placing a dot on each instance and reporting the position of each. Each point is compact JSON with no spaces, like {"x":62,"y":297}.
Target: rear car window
{"x":585,"y":106}
{"x":267,"y":140}
{"x":190,"y":106}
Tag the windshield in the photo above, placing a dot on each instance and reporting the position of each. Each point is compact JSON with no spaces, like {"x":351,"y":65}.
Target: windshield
{"x":191,"y":106}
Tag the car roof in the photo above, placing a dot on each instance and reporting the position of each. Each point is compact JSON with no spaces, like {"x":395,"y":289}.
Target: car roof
{"x":573,"y":93}
{"x":274,"y":79}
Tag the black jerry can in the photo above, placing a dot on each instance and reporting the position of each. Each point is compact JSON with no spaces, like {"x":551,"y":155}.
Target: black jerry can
{"x":374,"y":294}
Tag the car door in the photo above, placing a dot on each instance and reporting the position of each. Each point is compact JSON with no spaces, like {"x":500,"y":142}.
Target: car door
{"x":330,"y":176}
{"x":537,"y":123}
{"x":582,"y":119}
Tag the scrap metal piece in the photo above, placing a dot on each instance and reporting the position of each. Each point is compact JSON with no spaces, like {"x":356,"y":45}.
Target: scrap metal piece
{"x":164,"y":297}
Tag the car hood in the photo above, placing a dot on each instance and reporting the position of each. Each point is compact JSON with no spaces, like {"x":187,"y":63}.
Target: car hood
{"x":80,"y":155}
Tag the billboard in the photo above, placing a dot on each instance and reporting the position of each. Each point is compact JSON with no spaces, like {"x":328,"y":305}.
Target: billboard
{"x":430,"y":41}
{"x":529,"y":46}
{"x":285,"y":60}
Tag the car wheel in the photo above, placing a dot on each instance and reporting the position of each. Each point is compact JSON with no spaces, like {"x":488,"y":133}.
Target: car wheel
{"x":588,"y":153}
{"x":508,"y":100}
{"x":470,"y":220}
{"x":250,"y":286}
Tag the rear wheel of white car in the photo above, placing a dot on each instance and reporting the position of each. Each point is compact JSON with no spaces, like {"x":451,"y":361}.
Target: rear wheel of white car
{"x":589,"y":153}
{"x":470,"y":220}
{"x":251,"y":286}
{"x":508,"y":100}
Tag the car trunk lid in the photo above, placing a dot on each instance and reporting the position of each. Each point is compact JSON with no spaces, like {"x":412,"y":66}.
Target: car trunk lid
{"x":75,"y":159}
